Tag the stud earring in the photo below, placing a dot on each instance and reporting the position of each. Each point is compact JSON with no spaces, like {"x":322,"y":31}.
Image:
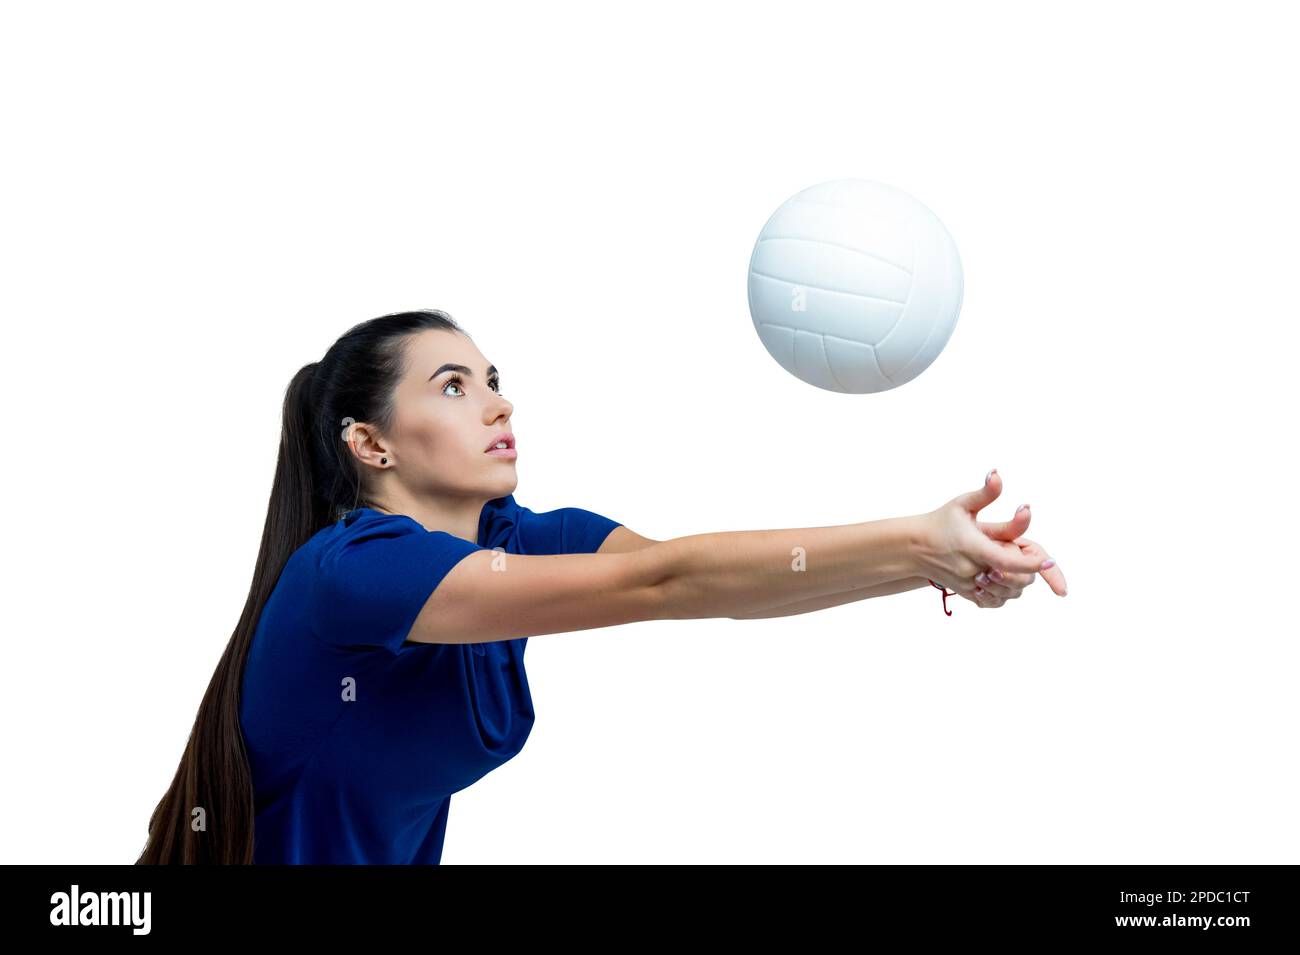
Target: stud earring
{"x":383,"y":460}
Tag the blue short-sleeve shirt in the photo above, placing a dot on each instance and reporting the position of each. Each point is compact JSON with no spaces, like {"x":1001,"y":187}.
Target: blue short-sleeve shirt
{"x":356,"y":737}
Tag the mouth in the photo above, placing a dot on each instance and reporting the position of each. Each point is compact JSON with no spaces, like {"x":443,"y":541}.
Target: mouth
{"x":502,"y":446}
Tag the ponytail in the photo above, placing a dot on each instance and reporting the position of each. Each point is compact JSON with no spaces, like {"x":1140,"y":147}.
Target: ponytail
{"x":207,"y":813}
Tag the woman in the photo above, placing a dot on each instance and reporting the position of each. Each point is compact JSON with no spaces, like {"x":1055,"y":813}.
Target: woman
{"x":377,"y":667}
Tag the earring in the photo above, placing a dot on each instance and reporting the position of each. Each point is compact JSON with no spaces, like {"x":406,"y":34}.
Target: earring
{"x":383,"y":460}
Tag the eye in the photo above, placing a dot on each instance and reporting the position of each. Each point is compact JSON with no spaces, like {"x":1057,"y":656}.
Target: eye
{"x":493,"y":383}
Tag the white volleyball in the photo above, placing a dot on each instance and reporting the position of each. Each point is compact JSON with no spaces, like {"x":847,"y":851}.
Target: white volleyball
{"x":854,"y":286}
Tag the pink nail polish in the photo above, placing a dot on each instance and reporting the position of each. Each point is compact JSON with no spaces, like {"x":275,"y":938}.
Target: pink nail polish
{"x":1048,"y":563}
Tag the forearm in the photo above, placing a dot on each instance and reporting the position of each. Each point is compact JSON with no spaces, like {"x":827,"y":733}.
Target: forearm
{"x":734,"y":573}
{"x":835,"y":600}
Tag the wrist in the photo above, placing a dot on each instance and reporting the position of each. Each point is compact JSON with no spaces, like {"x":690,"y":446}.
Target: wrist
{"x":912,"y":547}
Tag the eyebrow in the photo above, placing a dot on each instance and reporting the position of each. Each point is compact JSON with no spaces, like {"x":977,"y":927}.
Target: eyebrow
{"x":463,"y":369}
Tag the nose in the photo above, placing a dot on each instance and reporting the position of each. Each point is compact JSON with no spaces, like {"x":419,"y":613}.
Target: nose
{"x":498,"y":408}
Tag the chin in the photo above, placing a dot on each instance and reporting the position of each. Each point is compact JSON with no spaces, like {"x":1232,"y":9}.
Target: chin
{"x":503,"y":487}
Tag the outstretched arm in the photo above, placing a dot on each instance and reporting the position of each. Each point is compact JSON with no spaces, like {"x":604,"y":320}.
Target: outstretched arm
{"x":492,"y":595}
{"x":835,"y":600}
{"x":622,"y":539}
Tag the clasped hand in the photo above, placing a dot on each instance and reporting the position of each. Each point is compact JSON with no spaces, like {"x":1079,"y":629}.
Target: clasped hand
{"x":987,"y":563}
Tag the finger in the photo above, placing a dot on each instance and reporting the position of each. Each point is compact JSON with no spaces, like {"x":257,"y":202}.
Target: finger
{"x":976,"y":501}
{"x":1015,"y":581}
{"x":1009,"y":559}
{"x":1055,"y":579}
{"x":1003,"y":589}
{"x":1007,"y":530}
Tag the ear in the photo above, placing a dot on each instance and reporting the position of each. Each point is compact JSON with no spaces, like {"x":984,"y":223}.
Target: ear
{"x":364,"y":442}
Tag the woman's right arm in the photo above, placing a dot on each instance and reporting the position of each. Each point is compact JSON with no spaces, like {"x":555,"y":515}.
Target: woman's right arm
{"x":492,"y":595}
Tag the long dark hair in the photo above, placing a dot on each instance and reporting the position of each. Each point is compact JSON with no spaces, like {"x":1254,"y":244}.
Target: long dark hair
{"x":317,"y":480}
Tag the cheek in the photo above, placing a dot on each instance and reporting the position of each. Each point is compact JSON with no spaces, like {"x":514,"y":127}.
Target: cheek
{"x":438,"y":441}
{"x":422,"y":433}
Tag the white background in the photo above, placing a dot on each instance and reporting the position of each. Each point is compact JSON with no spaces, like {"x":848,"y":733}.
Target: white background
{"x":198,"y":200}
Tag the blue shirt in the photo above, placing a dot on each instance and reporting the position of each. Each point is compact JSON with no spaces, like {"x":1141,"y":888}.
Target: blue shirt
{"x":356,"y":737}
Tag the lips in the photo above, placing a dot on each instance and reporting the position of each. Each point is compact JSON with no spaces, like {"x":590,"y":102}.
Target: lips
{"x":505,"y":436}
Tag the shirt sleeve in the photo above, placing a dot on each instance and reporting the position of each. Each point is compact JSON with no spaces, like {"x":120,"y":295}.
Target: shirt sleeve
{"x":373,"y":585}
{"x":565,"y":530}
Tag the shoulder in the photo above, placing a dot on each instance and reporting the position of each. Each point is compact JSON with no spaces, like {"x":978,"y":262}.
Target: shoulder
{"x":566,"y":530}
{"x":372,"y":544}
{"x":362,"y":525}
{"x":373,"y":574}
{"x":623,"y":539}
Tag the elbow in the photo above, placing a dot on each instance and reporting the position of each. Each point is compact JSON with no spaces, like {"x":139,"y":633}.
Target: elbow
{"x":653,"y":572}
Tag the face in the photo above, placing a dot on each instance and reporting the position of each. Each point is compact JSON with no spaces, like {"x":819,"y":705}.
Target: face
{"x":449,"y":413}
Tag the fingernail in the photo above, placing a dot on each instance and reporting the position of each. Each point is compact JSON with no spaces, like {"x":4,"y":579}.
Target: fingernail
{"x":1048,"y":563}
{"x":1022,"y":507}
{"x":997,"y":575}
{"x":982,"y":579}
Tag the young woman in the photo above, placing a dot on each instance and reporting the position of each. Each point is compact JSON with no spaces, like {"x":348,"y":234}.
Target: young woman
{"x":377,"y":667}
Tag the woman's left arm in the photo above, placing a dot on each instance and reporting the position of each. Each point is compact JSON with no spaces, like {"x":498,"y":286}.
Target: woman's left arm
{"x":623,"y":538}
{"x":834,"y":600}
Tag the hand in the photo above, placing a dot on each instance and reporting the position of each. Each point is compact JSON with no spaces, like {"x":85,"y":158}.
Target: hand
{"x":986,"y":563}
{"x":993,"y":588}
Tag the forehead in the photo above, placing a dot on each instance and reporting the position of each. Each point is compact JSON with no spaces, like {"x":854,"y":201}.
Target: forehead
{"x":429,"y":350}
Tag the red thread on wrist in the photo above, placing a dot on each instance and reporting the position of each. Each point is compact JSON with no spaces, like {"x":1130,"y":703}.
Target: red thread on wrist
{"x":946,"y":595}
